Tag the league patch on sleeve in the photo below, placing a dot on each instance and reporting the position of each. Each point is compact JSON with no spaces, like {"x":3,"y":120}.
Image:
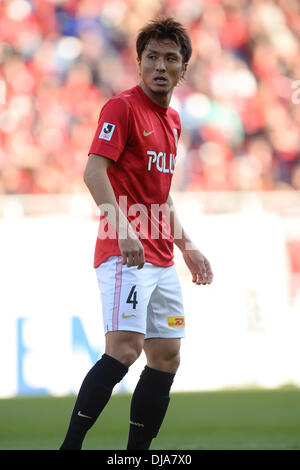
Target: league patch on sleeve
{"x":107,"y":131}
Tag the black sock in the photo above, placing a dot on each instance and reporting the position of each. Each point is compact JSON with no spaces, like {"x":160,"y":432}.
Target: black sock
{"x":149,"y":404}
{"x":95,"y":391}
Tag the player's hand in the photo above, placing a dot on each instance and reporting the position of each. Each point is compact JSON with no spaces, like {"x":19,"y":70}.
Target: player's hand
{"x":199,"y":266}
{"x":132,"y":251}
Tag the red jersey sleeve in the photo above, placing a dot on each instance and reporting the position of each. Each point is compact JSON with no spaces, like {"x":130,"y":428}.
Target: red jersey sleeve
{"x":113,"y":129}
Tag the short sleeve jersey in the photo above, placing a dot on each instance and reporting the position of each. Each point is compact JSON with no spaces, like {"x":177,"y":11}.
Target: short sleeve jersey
{"x":141,"y":138}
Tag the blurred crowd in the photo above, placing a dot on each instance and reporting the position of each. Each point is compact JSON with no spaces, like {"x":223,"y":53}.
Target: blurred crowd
{"x":61,"y":60}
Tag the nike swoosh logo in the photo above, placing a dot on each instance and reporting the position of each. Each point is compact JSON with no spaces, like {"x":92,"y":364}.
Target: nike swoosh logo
{"x":127,"y":316}
{"x":84,"y":416}
{"x":147,"y":133}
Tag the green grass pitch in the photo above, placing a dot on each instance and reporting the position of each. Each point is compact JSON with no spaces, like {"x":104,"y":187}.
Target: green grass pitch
{"x":236,"y":420}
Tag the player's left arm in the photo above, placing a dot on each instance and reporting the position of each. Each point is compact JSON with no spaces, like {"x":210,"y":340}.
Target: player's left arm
{"x":196,"y":262}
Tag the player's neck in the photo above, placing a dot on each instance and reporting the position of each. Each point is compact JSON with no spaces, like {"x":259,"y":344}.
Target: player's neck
{"x":162,"y":99}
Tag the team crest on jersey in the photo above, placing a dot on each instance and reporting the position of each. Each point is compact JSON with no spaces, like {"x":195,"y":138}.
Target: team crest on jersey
{"x":107,"y":131}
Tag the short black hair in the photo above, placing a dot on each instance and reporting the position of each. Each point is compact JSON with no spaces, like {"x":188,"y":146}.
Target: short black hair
{"x":165,"y":28}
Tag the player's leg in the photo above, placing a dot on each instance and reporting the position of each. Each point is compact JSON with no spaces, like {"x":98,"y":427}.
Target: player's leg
{"x":124,"y":346}
{"x":163,"y":354}
{"x":125,"y":296}
{"x":151,"y":397}
{"x":122,"y":349}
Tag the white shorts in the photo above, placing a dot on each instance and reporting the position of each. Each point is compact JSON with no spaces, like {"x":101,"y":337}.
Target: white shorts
{"x":146,"y":300}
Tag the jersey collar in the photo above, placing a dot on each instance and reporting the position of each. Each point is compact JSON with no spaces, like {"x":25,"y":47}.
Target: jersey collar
{"x":149,"y":102}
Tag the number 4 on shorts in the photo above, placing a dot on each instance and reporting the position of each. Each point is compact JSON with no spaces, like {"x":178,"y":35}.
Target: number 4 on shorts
{"x":131,"y":299}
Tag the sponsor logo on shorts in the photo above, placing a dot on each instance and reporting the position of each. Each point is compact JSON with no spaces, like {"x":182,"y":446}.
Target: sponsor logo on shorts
{"x":176,"y":321}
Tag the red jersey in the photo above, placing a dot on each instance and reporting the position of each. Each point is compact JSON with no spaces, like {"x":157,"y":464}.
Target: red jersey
{"x":141,"y":138}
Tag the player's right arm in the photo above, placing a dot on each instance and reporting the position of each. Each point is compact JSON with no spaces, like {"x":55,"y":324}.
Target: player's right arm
{"x":96,"y":178}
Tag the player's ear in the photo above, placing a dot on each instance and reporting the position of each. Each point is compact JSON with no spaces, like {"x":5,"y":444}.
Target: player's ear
{"x":184,"y":68}
{"x":139,"y":64}
{"x":182,"y":74}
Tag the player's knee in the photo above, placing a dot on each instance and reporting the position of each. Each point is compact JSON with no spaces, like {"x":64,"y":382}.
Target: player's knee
{"x":127,"y":355}
{"x":130,"y":356}
{"x":174,"y":361}
{"x":168,"y":362}
{"x":126,"y":347}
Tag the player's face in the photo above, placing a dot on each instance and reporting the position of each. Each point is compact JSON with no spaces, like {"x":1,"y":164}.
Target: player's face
{"x":161,"y":67}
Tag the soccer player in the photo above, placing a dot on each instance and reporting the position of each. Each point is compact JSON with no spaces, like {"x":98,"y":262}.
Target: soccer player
{"x":129,"y":172}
